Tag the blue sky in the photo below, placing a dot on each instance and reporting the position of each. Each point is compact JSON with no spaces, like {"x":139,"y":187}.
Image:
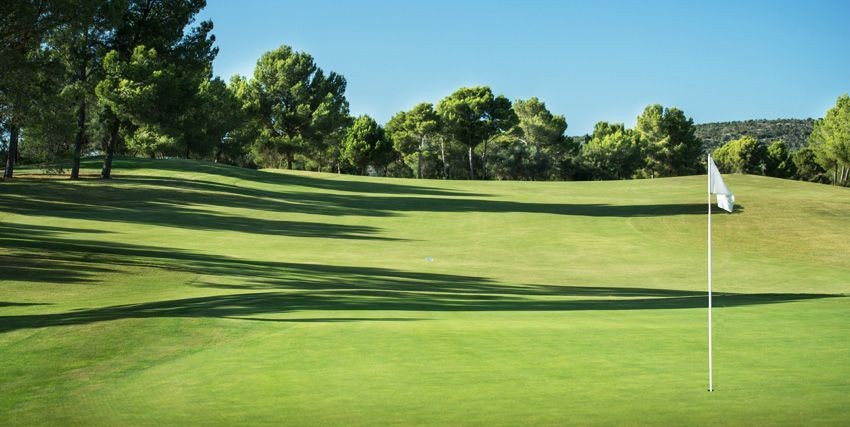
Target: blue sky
{"x":589,"y":61}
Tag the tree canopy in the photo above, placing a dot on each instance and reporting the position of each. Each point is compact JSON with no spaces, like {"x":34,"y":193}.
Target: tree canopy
{"x":297,"y":105}
{"x":134,"y":77}
{"x":830,"y":140}
{"x":472,"y":115}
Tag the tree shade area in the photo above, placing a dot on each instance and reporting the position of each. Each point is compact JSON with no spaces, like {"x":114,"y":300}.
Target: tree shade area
{"x":134,"y":78}
{"x":193,"y":293}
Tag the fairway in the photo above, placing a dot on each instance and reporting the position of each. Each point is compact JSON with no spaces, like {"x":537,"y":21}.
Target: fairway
{"x":185,"y":292}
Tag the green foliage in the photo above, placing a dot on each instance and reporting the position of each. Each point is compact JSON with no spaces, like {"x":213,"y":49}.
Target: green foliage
{"x":150,"y":141}
{"x":31,"y":77}
{"x":778,"y":162}
{"x":535,"y":147}
{"x":134,"y":76}
{"x":80,"y":46}
{"x":235,"y":147}
{"x":794,"y":132}
{"x":743,"y":155}
{"x":807,"y":167}
{"x":413,"y":134}
{"x":155,"y":94}
{"x":142,"y":89}
{"x":215,"y":113}
{"x":472,"y":115}
{"x":297,"y":105}
{"x":668,"y":141}
{"x":365,"y":144}
{"x":830,"y":141}
{"x":539,"y":126}
{"x":612,"y":152}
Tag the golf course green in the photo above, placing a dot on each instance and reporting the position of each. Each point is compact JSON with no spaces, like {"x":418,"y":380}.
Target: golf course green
{"x":190,"y":293}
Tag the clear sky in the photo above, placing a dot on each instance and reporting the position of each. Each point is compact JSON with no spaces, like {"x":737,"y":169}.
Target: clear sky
{"x":589,"y":60}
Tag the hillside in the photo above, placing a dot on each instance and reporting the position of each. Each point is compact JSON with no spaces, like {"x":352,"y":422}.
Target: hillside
{"x":794,"y":132}
{"x":184,"y":292}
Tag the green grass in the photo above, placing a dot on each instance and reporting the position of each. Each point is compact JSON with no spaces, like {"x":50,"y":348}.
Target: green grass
{"x":188,"y":293}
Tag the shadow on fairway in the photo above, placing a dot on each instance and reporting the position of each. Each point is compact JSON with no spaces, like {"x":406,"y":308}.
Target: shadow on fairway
{"x":274,"y":288}
{"x":181,"y":165}
{"x":169,"y":207}
{"x":239,"y":306}
{"x":208,"y":206}
{"x":20,"y":304}
{"x":329,"y":319}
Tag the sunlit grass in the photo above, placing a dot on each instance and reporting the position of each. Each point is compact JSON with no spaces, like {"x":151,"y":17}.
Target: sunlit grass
{"x":190,"y":293}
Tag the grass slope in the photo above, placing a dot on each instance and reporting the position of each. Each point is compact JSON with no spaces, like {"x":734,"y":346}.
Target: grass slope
{"x":189,"y":293}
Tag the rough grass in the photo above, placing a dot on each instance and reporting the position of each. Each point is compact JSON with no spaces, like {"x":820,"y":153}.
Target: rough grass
{"x":189,"y":293}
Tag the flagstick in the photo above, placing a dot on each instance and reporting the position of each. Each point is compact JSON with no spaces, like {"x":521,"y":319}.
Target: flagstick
{"x":710,"y":360}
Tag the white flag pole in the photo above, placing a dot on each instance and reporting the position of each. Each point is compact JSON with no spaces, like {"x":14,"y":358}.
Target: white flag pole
{"x":710,"y":359}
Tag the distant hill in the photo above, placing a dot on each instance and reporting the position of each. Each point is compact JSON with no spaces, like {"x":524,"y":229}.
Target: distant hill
{"x":794,"y":132}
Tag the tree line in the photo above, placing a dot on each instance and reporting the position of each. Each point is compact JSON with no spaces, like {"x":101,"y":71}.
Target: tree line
{"x":134,"y":78}
{"x":825,"y":158}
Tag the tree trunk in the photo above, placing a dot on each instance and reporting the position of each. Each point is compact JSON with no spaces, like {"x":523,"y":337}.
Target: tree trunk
{"x":443,"y":156}
{"x":419,"y":158}
{"x":188,"y":148}
{"x":106,"y":172}
{"x":218,"y":153}
{"x":471,"y":168}
{"x":81,"y":135}
{"x":484,"y":161}
{"x":14,"y":135}
{"x":289,"y":160}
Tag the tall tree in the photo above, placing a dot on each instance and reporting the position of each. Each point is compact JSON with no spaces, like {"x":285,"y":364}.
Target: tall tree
{"x":538,"y":141}
{"x":778,"y":162}
{"x":184,"y":53}
{"x":670,"y":145}
{"x":220,"y":113}
{"x":742,"y":155}
{"x":503,"y":121}
{"x":412,"y":131}
{"x":472,"y":115}
{"x":236,"y":146}
{"x":365,"y":144}
{"x":297,"y":104}
{"x":80,"y":45}
{"x":612,"y":152}
{"x":830,"y":141}
{"x":807,"y":167}
{"x":24,"y":25}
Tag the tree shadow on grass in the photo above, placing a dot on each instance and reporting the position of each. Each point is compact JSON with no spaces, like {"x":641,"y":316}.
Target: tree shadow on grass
{"x":20,"y":304}
{"x":269,"y":177}
{"x":367,"y":203}
{"x":243,"y":306}
{"x":169,"y":207}
{"x":268,"y":288}
{"x":84,"y":261}
{"x":207,"y":206}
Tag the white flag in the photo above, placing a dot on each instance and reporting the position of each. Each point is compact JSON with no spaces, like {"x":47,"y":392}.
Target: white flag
{"x":725,"y":198}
